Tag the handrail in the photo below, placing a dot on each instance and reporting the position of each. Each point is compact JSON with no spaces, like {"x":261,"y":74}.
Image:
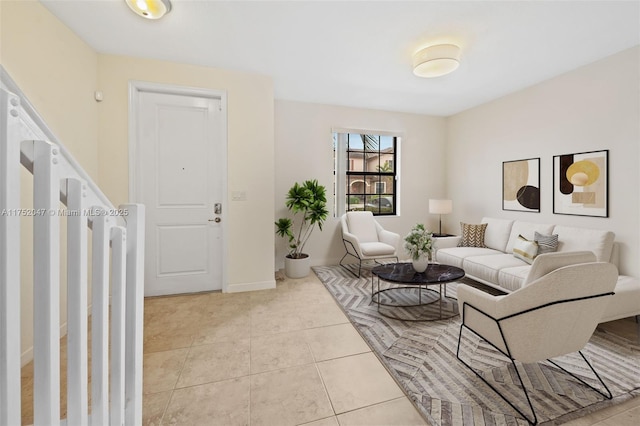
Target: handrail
{"x":33,"y":127}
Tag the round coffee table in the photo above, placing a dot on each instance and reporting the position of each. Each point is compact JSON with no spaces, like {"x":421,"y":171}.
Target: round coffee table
{"x":407,"y":278}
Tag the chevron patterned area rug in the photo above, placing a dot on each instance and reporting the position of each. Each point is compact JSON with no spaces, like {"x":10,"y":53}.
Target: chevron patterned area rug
{"x":421,"y":356}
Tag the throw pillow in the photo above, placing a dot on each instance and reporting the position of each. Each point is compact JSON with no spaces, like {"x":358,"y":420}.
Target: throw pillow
{"x":525,"y":250}
{"x":472,"y":235}
{"x":546,"y":243}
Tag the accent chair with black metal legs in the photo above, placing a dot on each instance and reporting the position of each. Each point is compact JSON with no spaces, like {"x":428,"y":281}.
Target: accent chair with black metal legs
{"x":552,"y":316}
{"x":365,"y":239}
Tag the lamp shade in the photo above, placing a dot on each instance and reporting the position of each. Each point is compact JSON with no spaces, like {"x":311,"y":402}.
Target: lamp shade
{"x":150,"y":9}
{"x":440,"y":206}
{"x":435,"y":61}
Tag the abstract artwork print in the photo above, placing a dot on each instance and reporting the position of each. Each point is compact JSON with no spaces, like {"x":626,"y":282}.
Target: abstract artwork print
{"x":521,"y":185}
{"x":580,"y":184}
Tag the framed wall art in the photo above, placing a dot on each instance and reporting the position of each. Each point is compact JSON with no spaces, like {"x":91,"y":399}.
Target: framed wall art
{"x":581,"y":184}
{"x":521,"y":185}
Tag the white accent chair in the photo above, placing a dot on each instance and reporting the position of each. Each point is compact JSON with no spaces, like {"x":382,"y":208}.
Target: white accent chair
{"x":365,"y":239}
{"x":554,"y":315}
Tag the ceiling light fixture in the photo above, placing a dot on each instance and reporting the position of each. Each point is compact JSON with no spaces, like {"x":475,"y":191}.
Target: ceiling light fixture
{"x":435,"y":61}
{"x":150,"y":9}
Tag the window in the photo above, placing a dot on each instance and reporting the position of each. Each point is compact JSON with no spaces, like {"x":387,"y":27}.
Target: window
{"x":365,"y":172}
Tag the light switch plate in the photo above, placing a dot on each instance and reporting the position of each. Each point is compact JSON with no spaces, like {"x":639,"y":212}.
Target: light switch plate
{"x":239,"y":195}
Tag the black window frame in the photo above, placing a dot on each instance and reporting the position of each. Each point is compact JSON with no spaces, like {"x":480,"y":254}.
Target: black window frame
{"x":391,"y":176}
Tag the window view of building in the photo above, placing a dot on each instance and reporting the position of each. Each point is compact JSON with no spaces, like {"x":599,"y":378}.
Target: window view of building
{"x":365,"y":173}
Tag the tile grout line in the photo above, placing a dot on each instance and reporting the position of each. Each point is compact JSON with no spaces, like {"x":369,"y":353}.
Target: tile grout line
{"x":250,"y":369}
{"x":166,"y":407}
{"x":374,"y":404}
{"x":326,"y":391}
{"x":184,"y":362}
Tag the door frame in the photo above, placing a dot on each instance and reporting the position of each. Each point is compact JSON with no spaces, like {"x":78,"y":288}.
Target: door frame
{"x":137,"y":87}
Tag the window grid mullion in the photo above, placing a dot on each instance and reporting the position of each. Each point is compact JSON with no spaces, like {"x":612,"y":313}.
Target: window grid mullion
{"x":381,"y":185}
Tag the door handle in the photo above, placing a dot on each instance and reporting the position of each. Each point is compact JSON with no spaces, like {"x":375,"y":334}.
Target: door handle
{"x":216,"y":220}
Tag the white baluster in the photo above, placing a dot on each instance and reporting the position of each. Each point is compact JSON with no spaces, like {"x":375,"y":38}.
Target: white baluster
{"x":100,"y":319}
{"x":9,"y":260}
{"x":46,"y":281}
{"x":135,"y":310}
{"x":49,"y":162}
{"x":118,"y":281}
{"x":77,"y":374}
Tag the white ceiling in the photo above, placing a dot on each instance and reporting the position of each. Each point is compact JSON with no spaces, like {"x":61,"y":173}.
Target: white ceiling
{"x":359,"y":53}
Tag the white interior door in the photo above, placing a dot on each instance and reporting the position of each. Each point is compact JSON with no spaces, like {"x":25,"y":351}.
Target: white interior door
{"x":180,"y":176}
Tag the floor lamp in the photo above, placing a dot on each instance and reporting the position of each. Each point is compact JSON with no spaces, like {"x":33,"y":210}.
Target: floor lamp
{"x":440,"y":207}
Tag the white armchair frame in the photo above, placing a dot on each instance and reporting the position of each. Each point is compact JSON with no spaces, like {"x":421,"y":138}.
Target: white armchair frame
{"x":353,"y":245}
{"x":554,"y":315}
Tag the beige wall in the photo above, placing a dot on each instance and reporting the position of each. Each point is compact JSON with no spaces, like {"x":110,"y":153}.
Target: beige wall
{"x":591,"y":108}
{"x":304,"y":150}
{"x":250,"y":152}
{"x":58,"y":73}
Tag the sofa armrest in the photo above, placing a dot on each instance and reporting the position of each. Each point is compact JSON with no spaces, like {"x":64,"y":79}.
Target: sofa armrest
{"x":479,"y":313}
{"x":389,"y":237}
{"x":351,"y":243}
{"x":446,"y":242}
{"x":477,"y":299}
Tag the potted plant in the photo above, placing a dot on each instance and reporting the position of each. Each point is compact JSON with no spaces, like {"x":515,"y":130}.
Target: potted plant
{"x":419,"y":243}
{"x":308,"y":203}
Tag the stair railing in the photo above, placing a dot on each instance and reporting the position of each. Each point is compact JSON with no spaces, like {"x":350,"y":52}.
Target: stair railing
{"x":62,"y":191}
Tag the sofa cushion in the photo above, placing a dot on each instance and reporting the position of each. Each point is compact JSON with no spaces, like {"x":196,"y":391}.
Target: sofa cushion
{"x":511,"y":279}
{"x":487,"y":267}
{"x":546,"y":243}
{"x":472,"y":235}
{"x":455,"y":255}
{"x":497,"y":233}
{"x":527,"y":230}
{"x":578,"y":239}
{"x":377,"y":249}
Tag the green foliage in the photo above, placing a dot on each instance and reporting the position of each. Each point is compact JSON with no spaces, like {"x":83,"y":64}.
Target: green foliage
{"x":418,"y":242}
{"x":308,"y":203}
{"x":386,"y":167}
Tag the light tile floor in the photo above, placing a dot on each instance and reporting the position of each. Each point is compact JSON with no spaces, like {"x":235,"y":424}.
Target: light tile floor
{"x":286,"y":356}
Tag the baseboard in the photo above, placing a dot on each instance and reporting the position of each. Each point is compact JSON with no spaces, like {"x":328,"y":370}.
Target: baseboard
{"x":258,"y":285}
{"x":27,"y":356}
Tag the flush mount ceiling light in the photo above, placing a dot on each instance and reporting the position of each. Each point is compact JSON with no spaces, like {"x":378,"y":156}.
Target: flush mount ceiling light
{"x":150,"y":9}
{"x":435,"y":61}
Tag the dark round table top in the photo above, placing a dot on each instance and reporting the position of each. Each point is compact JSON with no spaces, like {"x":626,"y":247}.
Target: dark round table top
{"x":404,"y":273}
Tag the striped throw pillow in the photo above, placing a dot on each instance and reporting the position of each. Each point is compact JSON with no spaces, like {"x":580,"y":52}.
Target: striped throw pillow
{"x":546,"y":243}
{"x":472,"y":235}
{"x":525,"y":250}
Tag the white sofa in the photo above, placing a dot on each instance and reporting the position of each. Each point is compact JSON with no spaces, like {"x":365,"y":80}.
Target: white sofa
{"x":496,"y":265}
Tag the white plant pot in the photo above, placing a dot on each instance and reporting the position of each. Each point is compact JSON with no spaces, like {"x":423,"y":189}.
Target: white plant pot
{"x":297,"y":268}
{"x":421,"y":264}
